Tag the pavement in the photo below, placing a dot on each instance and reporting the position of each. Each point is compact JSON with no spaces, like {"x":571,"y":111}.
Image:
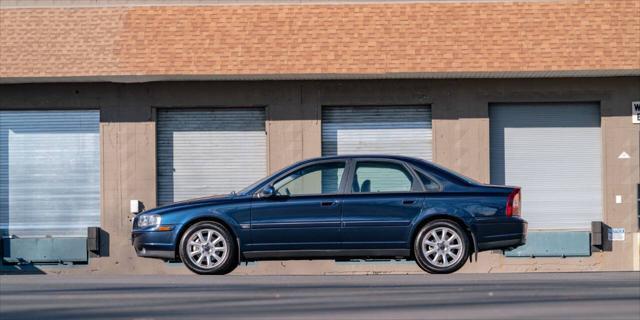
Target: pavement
{"x":456,"y":296}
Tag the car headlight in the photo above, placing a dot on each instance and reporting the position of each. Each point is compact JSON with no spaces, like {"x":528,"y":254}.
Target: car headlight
{"x":148,"y":220}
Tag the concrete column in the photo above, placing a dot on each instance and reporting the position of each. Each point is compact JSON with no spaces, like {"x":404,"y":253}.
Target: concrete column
{"x":461,"y":133}
{"x":128,"y":170}
{"x":621,"y":176}
{"x":285,"y":129}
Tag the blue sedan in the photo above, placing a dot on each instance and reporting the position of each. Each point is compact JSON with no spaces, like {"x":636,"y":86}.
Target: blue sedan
{"x":344,"y":207}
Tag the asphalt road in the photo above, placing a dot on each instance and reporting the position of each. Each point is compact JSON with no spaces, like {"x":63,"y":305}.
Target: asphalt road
{"x":458,"y":296}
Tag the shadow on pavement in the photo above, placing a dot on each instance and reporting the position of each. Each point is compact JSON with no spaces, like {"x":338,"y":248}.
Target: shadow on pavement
{"x":19,"y":269}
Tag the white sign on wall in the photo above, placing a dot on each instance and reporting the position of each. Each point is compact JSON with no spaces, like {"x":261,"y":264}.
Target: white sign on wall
{"x":635,"y":111}
{"x":616,"y":234}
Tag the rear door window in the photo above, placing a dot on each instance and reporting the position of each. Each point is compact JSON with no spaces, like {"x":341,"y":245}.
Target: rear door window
{"x":377,"y":176}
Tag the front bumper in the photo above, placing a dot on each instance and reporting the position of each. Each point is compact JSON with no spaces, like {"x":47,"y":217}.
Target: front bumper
{"x":154,"y":244}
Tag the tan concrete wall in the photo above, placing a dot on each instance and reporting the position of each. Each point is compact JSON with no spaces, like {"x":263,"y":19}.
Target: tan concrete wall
{"x":461,"y":142}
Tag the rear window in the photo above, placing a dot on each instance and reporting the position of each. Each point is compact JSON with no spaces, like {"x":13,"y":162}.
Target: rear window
{"x":452,"y":173}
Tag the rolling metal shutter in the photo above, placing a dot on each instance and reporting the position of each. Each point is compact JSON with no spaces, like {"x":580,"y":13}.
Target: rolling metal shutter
{"x":397,"y":130}
{"x":49,"y":173}
{"x":553,"y":151}
{"x":209,"y":151}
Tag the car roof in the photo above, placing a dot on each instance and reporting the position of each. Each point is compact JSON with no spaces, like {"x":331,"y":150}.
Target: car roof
{"x":432,"y":167}
{"x":376,"y":156}
{"x":444,"y":172}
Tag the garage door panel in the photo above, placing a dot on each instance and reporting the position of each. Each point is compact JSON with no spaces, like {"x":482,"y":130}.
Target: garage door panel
{"x":553,"y":151}
{"x":49,"y":172}
{"x":209,"y":151}
{"x":399,"y":130}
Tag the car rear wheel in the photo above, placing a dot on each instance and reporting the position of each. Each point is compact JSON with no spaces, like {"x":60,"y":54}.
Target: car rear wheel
{"x":441,"y":246}
{"x":208,"y":248}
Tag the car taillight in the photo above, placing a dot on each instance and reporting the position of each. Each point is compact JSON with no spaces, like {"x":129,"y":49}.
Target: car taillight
{"x":513,"y":203}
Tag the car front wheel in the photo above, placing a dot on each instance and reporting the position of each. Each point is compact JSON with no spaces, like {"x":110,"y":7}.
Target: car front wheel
{"x":441,"y":246}
{"x":208,"y":248}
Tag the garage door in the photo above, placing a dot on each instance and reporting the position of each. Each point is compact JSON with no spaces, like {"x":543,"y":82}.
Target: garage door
{"x":398,"y":130}
{"x":49,"y":173}
{"x":553,"y":151}
{"x":211,"y":151}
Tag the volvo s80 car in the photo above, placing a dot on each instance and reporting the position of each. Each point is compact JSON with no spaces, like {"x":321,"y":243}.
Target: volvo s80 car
{"x":341,"y":207}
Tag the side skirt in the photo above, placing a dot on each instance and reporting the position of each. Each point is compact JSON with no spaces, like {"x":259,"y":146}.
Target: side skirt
{"x":327,"y":254}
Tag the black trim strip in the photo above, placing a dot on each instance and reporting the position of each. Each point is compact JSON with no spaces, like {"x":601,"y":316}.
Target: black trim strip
{"x":366,"y":223}
{"x":304,"y":224}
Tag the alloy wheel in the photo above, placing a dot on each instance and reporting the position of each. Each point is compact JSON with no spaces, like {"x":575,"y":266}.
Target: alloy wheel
{"x":442,"y":247}
{"x":207,"y":248}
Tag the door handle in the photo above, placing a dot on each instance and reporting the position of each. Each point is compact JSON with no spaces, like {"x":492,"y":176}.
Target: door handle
{"x":327,"y":203}
{"x":407,"y":202}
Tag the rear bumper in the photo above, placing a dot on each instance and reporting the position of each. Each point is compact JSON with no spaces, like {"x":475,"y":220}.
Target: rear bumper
{"x":504,"y":235}
{"x":154,"y":244}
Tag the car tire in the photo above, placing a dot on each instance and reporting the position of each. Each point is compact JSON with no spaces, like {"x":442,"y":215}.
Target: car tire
{"x":436,"y":252}
{"x":208,"y":248}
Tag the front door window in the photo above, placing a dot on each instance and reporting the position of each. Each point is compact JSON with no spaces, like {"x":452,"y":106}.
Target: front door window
{"x":317,"y":179}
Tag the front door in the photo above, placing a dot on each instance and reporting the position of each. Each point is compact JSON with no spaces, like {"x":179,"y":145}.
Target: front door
{"x":383,"y":200}
{"x":305,"y":212}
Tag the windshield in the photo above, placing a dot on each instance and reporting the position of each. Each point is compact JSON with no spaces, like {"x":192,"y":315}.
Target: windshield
{"x":252,"y":186}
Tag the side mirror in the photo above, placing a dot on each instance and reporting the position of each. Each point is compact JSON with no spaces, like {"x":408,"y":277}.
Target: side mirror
{"x":267,"y":192}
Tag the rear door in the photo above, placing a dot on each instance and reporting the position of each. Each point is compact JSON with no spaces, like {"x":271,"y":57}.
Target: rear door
{"x":382,"y":198}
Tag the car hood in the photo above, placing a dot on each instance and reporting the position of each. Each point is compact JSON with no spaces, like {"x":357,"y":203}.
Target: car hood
{"x":209,"y":200}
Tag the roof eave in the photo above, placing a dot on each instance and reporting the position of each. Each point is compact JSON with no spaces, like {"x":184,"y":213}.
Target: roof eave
{"x":325,"y":76}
